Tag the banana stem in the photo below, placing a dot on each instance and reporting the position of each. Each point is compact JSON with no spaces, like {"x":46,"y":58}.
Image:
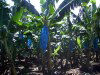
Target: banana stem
{"x":13,"y":70}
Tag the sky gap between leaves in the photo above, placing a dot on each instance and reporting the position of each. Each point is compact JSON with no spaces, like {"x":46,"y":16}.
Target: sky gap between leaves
{"x":37,"y":5}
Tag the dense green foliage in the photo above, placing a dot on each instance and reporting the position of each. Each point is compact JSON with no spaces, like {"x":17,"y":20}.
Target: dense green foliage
{"x":69,"y":34}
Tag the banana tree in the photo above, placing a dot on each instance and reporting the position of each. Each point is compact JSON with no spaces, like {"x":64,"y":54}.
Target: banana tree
{"x":4,"y":21}
{"x":89,"y":31}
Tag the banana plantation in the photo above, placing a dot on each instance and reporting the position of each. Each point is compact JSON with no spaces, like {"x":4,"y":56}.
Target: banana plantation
{"x":56,"y":41}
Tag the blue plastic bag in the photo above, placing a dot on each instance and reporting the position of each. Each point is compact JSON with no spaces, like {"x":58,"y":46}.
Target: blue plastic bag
{"x":21,"y":36}
{"x":44,"y":38}
{"x":29,"y":43}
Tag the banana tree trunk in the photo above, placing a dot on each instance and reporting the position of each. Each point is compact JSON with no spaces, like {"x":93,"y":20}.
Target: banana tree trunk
{"x":12,"y":69}
{"x":49,"y":58}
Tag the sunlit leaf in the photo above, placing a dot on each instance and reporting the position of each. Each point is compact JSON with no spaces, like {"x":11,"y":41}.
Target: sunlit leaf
{"x":19,"y":23}
{"x":79,"y":42}
{"x":51,"y":9}
{"x":93,"y":1}
{"x":56,"y":50}
{"x":28,"y":31}
{"x":18,"y":15}
{"x":42,"y":1}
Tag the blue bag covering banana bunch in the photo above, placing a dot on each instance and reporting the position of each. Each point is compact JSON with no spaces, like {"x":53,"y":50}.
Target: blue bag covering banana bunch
{"x":44,"y":38}
{"x":95,"y":43}
{"x":21,"y":36}
{"x":29,"y":43}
